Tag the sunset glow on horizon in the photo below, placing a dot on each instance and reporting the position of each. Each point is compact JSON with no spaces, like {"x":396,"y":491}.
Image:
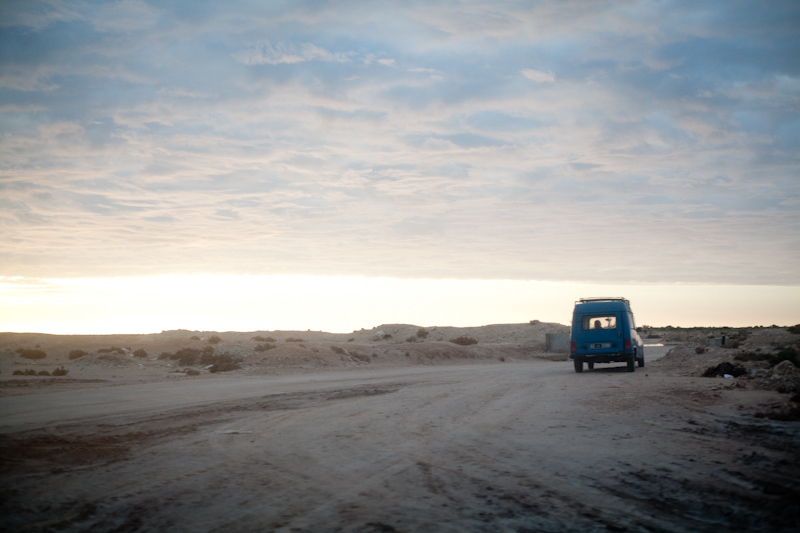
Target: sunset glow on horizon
{"x":345,"y":304}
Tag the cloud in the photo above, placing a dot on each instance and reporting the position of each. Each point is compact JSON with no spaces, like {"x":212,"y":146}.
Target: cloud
{"x":264,"y":53}
{"x":35,"y":15}
{"x":386,"y":62}
{"x":125,"y":16}
{"x":228,"y":214}
{"x":539,"y":76}
{"x":407,"y":141}
{"x":27,"y":80}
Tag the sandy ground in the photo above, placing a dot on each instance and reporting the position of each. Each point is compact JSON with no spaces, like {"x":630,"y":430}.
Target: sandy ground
{"x":391,"y":435}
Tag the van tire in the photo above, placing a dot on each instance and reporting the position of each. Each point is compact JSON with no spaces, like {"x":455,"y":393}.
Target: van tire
{"x":641,"y":361}
{"x":632,"y":364}
{"x":590,"y":365}
{"x":578,"y":365}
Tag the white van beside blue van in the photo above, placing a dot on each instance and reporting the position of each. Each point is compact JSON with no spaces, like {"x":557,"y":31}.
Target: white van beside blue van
{"x":604,"y":331}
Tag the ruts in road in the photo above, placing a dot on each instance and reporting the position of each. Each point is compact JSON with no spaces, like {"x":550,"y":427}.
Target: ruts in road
{"x":488,"y":447}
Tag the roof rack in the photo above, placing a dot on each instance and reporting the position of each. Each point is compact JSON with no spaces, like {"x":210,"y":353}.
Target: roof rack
{"x":604,"y":299}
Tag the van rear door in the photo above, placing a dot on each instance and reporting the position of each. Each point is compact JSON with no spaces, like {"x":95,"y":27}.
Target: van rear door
{"x":600,"y":333}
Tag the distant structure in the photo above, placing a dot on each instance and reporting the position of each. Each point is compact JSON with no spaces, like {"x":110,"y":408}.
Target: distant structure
{"x":557,"y":342}
{"x":716,"y":341}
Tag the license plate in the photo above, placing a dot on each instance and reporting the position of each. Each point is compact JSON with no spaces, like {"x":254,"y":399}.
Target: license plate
{"x":598,"y":345}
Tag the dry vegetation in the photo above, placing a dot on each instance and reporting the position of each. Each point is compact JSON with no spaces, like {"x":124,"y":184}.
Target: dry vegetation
{"x":392,"y":344}
{"x":172,"y":353}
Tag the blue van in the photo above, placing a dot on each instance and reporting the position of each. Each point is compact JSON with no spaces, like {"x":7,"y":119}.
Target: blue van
{"x":603,"y":331}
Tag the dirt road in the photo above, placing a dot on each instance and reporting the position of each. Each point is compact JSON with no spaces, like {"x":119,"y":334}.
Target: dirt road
{"x":490,"y":447}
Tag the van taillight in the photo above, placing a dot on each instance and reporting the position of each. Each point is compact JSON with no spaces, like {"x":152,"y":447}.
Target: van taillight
{"x":627,"y":344}
{"x":574,"y":346}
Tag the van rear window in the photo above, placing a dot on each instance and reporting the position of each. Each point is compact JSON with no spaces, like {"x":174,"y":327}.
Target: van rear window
{"x":599,"y":322}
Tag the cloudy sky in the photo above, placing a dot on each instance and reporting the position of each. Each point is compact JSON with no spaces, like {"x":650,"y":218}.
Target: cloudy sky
{"x":625,"y":143}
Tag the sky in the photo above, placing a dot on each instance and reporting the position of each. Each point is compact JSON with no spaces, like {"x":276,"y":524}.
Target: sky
{"x":335,"y":165}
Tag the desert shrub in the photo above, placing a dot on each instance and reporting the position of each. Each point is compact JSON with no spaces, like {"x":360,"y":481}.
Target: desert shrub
{"x":207,"y":358}
{"x":360,"y":357}
{"x":264,"y":347}
{"x":699,"y":349}
{"x":225,"y":367}
{"x":338,"y":350}
{"x":259,"y":338}
{"x":18,"y":373}
{"x":207,"y":355}
{"x":351,"y":339}
{"x":30,"y":372}
{"x":140,"y":353}
{"x":61,"y":371}
{"x":794,"y":329}
{"x":44,"y":373}
{"x":787,"y":354}
{"x":224,"y":363}
{"x":464,"y":340}
{"x":292,"y":339}
{"x":422,"y":333}
{"x":213,"y":339}
{"x":411,"y":339}
{"x":191,"y":372}
{"x":113,"y":349}
{"x":28,"y":353}
{"x":186,"y":356}
{"x":194,"y":338}
{"x":75,"y":354}
{"x":751,"y":356}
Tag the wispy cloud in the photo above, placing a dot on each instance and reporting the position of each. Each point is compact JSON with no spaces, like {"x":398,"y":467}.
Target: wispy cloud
{"x":539,"y":76}
{"x":125,"y":16}
{"x":265,"y":54}
{"x":615,"y":141}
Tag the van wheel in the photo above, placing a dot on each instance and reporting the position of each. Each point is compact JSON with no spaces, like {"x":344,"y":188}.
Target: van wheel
{"x":632,"y":363}
{"x":590,"y":365}
{"x":578,"y":365}
{"x":641,"y":361}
